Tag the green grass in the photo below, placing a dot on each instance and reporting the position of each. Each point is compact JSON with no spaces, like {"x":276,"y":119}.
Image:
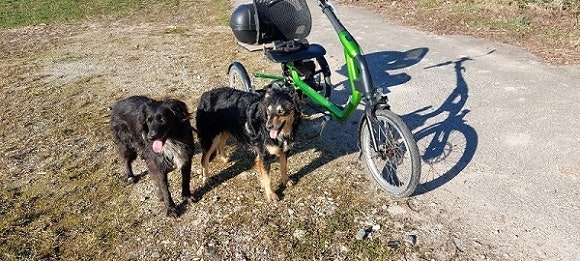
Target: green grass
{"x":14,"y":13}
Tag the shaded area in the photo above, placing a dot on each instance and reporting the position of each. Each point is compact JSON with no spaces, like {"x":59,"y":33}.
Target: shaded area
{"x":448,"y":146}
{"x":380,"y":63}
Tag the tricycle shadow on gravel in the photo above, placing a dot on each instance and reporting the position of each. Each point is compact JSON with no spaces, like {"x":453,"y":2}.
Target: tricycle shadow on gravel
{"x":447,"y":146}
{"x":382,"y":62}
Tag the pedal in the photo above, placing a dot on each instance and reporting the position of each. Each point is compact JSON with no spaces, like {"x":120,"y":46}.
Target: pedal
{"x":325,"y":120}
{"x":310,"y":117}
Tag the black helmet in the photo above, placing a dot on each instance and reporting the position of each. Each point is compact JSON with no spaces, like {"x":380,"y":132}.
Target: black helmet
{"x":243,"y":24}
{"x":262,"y":22}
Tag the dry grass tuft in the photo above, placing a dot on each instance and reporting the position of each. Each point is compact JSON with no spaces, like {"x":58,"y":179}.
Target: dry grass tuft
{"x":549,"y":29}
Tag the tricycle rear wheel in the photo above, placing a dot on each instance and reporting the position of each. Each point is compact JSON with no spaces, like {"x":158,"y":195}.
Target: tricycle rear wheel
{"x":238,"y":77}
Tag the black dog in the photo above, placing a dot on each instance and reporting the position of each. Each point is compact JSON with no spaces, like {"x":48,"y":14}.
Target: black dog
{"x":266,"y":122}
{"x":159,"y":132}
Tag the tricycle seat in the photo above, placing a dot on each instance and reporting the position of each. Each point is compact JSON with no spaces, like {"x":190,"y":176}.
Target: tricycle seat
{"x":310,"y":51}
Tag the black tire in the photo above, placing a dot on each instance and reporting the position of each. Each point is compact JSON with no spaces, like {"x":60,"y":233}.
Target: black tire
{"x":396,"y":165}
{"x":238,"y":77}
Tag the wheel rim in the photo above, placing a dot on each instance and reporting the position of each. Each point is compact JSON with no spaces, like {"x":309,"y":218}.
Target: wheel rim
{"x":236,"y":81}
{"x":390,"y":165}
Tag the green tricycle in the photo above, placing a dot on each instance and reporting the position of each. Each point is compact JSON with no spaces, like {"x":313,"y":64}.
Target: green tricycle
{"x":281,"y":26}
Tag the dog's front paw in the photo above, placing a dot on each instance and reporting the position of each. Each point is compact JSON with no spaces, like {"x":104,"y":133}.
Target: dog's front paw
{"x":205,"y":181}
{"x":272,"y":197}
{"x":172,"y":212}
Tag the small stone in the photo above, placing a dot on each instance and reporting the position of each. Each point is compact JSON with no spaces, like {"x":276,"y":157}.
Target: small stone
{"x":200,"y":251}
{"x":299,"y":234}
{"x":362,"y":234}
{"x":411,"y":239}
{"x":458,"y":245}
{"x":376,"y":227}
{"x":394,"y":244}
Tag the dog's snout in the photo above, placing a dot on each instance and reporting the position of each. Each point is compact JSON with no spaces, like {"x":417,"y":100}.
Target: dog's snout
{"x":152,"y":135}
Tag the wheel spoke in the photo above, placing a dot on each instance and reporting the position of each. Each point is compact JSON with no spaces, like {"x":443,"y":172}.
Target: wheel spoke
{"x":394,"y":165}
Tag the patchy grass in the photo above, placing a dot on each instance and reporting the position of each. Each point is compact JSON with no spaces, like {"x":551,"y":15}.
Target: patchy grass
{"x":548,"y":28}
{"x":62,"y":194}
{"x":15,"y":13}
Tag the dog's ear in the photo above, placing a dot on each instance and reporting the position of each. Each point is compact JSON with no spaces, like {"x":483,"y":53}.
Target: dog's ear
{"x":143,"y":116}
{"x":254,"y":121}
{"x":179,"y":109}
{"x":142,"y":113}
{"x":269,"y":90}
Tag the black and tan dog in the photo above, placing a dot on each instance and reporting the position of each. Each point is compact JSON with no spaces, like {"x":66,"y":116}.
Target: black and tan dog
{"x":266,"y":122}
{"x":160,"y":133}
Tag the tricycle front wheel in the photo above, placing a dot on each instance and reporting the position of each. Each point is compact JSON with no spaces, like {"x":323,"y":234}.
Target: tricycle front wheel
{"x":393,"y":160}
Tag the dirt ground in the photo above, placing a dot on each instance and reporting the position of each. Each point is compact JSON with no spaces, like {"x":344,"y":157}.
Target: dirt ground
{"x":62,"y":192}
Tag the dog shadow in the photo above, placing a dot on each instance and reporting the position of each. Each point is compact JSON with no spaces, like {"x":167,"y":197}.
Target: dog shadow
{"x":138,"y":177}
{"x":307,"y":139}
{"x":241,"y":162}
{"x":329,"y":145}
{"x":181,"y":206}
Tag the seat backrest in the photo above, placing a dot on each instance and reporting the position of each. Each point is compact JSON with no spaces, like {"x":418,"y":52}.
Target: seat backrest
{"x":285,"y":20}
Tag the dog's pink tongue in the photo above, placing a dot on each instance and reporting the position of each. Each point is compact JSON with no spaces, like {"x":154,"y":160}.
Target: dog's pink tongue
{"x":158,"y":146}
{"x":273,"y":134}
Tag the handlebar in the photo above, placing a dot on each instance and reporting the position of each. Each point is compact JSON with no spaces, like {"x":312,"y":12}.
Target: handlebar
{"x":328,"y":10}
{"x":322,"y":2}
{"x":359,"y":59}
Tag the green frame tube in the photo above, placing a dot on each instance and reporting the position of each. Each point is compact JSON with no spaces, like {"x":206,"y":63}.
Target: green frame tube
{"x":351,"y":50}
{"x":269,"y":76}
